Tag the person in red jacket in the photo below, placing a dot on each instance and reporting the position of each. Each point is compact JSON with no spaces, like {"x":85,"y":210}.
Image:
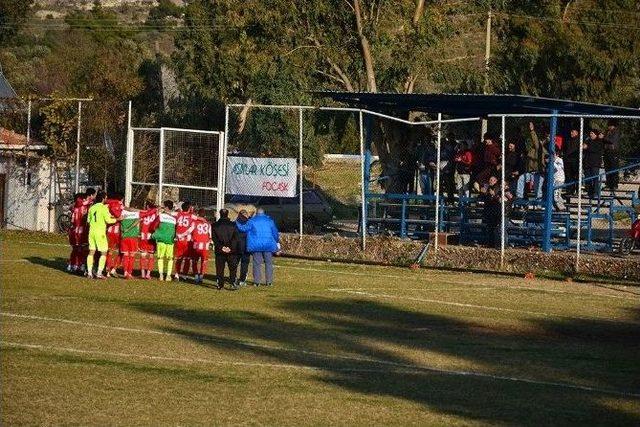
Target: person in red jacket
{"x":490,"y":159}
{"x":115,"y":205}
{"x":463,"y":160}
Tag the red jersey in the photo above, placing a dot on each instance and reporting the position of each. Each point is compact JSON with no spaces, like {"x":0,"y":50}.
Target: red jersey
{"x":184,"y":220}
{"x":78,"y":217}
{"x":201,"y":234}
{"x":149,"y":220}
{"x":115,"y":209}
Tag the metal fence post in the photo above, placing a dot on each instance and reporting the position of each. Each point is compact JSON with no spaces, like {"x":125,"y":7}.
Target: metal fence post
{"x":436,"y":227}
{"x":300,"y":179}
{"x":128,"y":188}
{"x":363,"y":180}
{"x":161,"y":167}
{"x":502,"y":197}
{"x":548,"y":205}
{"x":77,"y":177}
{"x":580,"y":178}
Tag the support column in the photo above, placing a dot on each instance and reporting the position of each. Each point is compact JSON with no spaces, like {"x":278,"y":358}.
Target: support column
{"x":366,"y":173}
{"x":161,"y":168}
{"x":548,"y":201}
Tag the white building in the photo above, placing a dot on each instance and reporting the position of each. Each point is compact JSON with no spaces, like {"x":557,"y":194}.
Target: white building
{"x":27,"y":185}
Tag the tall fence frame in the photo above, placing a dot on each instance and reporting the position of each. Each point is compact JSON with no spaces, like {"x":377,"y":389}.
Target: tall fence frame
{"x":161,"y":181}
{"x":365,"y":161}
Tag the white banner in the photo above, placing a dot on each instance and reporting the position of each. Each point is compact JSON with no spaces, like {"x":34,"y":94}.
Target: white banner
{"x":256,"y":176}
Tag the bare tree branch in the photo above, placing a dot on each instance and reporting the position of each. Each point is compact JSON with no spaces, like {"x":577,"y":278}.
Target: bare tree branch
{"x":242,"y":118}
{"x":366,"y":49}
{"x":335,"y":67}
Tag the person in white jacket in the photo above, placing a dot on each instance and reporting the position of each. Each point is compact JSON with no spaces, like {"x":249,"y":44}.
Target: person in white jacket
{"x":558,"y":179}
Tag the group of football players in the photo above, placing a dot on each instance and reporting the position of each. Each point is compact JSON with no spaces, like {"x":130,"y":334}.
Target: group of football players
{"x":178,"y":238}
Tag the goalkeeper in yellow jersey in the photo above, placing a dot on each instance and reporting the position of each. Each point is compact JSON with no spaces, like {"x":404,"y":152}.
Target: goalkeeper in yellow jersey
{"x":98,"y":218}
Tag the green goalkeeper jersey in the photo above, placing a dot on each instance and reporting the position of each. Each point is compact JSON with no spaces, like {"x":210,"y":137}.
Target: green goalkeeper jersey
{"x":130,"y":225}
{"x":98,"y":217}
{"x":166,"y":231}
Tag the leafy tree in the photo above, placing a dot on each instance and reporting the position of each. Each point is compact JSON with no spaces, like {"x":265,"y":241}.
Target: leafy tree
{"x":13,"y":15}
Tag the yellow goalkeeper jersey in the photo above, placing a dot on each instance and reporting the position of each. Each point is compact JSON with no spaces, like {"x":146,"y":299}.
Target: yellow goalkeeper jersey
{"x":98,"y":217}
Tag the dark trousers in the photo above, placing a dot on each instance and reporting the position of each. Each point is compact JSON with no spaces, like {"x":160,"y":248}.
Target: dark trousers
{"x":232,"y":261}
{"x":611,"y":162}
{"x":593,"y":185}
{"x":244,"y":266}
{"x":571,"y":174}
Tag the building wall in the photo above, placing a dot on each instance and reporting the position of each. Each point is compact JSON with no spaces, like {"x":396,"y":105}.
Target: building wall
{"x":27,"y":205}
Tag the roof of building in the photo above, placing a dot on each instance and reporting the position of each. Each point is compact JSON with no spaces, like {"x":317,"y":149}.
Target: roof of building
{"x":6,"y":91}
{"x":466,"y":105}
{"x":10,"y":140}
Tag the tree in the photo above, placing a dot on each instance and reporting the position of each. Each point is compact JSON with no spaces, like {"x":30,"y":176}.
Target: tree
{"x":13,"y":15}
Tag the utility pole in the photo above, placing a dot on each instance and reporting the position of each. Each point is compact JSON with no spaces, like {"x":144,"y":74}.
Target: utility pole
{"x":487,"y":58}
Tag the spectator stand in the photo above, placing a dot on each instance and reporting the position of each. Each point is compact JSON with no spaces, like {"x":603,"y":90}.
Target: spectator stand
{"x":531,"y":222}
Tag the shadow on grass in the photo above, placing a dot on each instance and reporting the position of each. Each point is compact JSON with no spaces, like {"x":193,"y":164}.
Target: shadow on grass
{"x":382,"y":350}
{"x":57,"y":263}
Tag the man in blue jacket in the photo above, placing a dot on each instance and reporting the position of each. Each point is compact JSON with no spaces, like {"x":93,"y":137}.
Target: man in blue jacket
{"x":262,"y":242}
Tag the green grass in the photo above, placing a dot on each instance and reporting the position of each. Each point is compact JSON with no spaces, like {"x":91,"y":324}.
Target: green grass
{"x":329,"y":344}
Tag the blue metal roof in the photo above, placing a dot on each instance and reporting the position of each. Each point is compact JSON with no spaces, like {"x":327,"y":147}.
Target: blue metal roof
{"x":467,"y":105}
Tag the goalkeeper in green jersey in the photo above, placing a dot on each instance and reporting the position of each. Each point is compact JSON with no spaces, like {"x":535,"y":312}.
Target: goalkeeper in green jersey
{"x":98,"y":217}
{"x":164,"y":236}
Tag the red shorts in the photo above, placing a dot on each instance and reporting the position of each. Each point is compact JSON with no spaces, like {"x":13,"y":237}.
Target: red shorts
{"x":201,"y":253}
{"x":147,"y":246}
{"x":129,"y":245}
{"x":75,"y":239}
{"x":181,"y":249}
{"x":114,"y":241}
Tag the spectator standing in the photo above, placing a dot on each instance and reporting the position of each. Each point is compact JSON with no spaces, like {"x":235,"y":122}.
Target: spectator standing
{"x":490,"y":159}
{"x":512,"y":164}
{"x":592,"y":159}
{"x":611,"y":154}
{"x":491,"y":215}
{"x":534,"y":165}
{"x":426,"y":164}
{"x":571,"y":160}
{"x":463,"y":161}
{"x":447,"y":170}
{"x":245,"y":256}
{"x":226,"y":241}
{"x":558,"y":179}
{"x":262,"y":242}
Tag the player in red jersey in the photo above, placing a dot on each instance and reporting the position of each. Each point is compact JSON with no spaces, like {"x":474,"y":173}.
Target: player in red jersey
{"x":115,"y":205}
{"x":149,"y":220}
{"x":201,"y":236}
{"x":78,"y":224}
{"x":182,"y":248}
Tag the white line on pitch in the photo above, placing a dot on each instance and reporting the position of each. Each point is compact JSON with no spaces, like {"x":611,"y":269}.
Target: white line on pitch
{"x":409,"y":369}
{"x":481,"y":307}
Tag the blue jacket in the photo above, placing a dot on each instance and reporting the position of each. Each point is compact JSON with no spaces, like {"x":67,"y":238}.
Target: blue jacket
{"x":262,"y":234}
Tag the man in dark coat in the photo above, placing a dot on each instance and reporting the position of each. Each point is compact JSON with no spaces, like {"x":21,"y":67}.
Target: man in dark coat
{"x":244,"y":254}
{"x":611,"y":153}
{"x":592,"y":159}
{"x":226,"y":240}
{"x":571,"y":159}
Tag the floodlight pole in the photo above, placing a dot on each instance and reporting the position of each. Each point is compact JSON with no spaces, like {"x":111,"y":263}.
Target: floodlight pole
{"x":300,"y":178}
{"x":363,"y":181}
{"x":77,"y":177}
{"x":502,"y":197}
{"x":580,"y":178}
{"x":548,"y":205}
{"x":437,"y":215}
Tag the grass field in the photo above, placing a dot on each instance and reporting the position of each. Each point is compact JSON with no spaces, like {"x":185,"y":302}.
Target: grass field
{"x":329,"y":344}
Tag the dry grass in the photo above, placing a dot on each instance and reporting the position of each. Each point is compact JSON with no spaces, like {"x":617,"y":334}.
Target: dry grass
{"x":329,"y":344}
